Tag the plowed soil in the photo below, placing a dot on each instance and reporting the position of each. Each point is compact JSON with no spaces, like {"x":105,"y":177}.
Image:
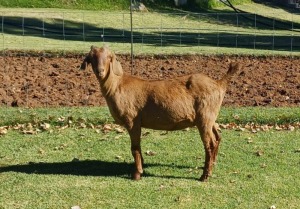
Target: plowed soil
{"x":48,"y":81}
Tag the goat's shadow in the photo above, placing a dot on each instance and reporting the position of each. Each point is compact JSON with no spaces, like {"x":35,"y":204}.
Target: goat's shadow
{"x":87,"y":168}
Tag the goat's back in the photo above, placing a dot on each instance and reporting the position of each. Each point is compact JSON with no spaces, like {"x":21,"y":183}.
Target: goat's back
{"x":166,"y":104}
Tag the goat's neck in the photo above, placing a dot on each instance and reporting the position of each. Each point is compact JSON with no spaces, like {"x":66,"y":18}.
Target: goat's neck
{"x":110,"y":84}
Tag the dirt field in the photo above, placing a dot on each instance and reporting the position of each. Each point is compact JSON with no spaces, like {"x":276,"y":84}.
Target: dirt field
{"x":41,"y":81}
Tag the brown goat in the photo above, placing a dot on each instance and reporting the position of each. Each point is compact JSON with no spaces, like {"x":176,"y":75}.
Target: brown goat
{"x":191,"y":100}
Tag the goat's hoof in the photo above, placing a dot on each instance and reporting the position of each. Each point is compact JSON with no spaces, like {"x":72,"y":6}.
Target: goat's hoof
{"x":204,"y":178}
{"x":136,"y":176}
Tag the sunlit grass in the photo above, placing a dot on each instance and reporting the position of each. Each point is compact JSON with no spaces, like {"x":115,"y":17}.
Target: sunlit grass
{"x":101,"y":115}
{"x":64,"y":167}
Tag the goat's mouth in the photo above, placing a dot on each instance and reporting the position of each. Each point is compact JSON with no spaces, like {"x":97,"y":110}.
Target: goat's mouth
{"x":99,"y":72}
{"x":102,"y":73}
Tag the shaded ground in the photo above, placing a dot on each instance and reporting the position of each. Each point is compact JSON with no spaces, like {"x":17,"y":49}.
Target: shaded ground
{"x":41,"y":81}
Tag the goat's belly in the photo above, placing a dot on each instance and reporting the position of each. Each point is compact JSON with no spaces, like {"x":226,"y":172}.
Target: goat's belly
{"x":167,"y":119}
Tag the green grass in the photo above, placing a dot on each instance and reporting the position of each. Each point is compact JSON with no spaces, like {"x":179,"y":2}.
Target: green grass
{"x":61,"y":168}
{"x":101,"y":115}
{"x":112,"y":5}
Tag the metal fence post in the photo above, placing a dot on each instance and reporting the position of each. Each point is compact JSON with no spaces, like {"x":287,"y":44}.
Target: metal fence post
{"x":131,"y":34}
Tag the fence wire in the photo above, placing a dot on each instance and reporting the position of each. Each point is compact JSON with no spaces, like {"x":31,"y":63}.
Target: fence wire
{"x":40,"y":34}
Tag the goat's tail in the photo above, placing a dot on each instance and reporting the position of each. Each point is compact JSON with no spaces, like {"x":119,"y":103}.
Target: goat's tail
{"x":233,"y":68}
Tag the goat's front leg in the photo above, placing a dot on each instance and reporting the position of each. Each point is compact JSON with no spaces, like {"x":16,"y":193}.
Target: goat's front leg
{"x":135,"y":137}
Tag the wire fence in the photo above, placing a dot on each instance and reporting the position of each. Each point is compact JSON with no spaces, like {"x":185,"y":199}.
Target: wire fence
{"x":41,"y":35}
{"x":202,"y":32}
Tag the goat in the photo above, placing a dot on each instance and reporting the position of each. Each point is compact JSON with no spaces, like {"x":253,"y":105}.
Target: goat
{"x":174,"y":104}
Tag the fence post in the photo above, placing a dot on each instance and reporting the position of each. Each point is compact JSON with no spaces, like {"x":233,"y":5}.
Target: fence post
{"x":131,"y":34}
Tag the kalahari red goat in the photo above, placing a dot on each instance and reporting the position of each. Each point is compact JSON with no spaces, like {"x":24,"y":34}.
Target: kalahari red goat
{"x":191,"y":100}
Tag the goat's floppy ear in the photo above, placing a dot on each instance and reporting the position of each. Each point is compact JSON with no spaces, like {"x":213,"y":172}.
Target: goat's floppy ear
{"x":115,"y":66}
{"x":85,"y":63}
{"x":87,"y":59}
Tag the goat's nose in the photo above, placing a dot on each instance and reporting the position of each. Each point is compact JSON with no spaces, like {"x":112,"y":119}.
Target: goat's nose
{"x":101,"y":71}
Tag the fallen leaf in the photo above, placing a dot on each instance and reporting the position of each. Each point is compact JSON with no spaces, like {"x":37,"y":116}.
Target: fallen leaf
{"x":61,"y":147}
{"x":223,"y":126}
{"x":146,"y":133}
{"x":161,"y":187}
{"x":91,"y":126}
{"x":291,"y":128}
{"x":217,"y":126}
{"x":249,"y":140}
{"x":82,"y":125}
{"x":29,"y":126}
{"x":265,"y":128}
{"x":263,"y":165}
{"x":150,"y":153}
{"x":278,"y":128}
{"x":107,"y":127}
{"x":237,"y":117}
{"x":186,"y":129}
{"x":259,"y":153}
{"x":41,"y":151}
{"x":18,"y":126}
{"x":61,"y":119}
{"x":3,"y":130}
{"x":119,"y":130}
{"x":247,"y":126}
{"x":32,"y":132}
{"x":241,"y":129}
{"x":75,"y":207}
{"x":254,"y":131}
{"x":45,"y":126}
{"x":63,"y":127}
{"x":118,"y":157}
{"x":118,"y":137}
{"x":164,"y":133}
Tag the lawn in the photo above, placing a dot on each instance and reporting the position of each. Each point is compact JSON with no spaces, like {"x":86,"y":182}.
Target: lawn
{"x":85,"y":160}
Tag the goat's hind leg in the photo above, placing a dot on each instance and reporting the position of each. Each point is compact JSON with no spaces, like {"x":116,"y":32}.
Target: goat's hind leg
{"x":210,"y":146}
{"x":218,"y":140}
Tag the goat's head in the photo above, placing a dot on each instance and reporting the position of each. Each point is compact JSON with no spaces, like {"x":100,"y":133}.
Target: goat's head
{"x":103,"y":62}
